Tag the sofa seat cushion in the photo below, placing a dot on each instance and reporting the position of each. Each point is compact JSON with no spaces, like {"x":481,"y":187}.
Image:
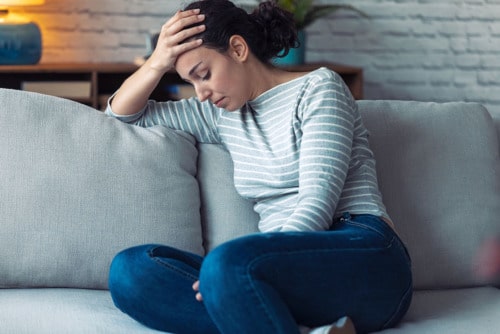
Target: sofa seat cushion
{"x":459,"y":311}
{"x":76,"y":187}
{"x":79,"y":311}
{"x":51,"y":311}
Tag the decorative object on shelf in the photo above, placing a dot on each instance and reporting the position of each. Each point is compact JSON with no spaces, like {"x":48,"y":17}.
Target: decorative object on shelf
{"x":305,"y":12}
{"x":295,"y":56}
{"x":20,"y":39}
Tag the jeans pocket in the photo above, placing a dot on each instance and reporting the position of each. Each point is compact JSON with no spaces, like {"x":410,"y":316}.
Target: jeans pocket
{"x":369,"y":223}
{"x":378,"y":226}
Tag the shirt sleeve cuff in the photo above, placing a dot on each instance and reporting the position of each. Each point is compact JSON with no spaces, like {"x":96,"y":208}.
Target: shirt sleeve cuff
{"x":124,"y":118}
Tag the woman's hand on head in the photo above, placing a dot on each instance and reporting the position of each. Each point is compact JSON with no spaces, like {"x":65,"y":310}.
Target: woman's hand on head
{"x":173,"y":32}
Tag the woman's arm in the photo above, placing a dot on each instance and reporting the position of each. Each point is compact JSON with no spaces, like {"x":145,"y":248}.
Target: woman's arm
{"x":328,"y":126}
{"x":135,"y":91}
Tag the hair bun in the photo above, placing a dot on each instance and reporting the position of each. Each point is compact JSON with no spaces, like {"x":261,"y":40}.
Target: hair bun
{"x":278,"y":27}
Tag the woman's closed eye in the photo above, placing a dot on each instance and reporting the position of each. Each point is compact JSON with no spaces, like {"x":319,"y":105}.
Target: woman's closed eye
{"x":203,"y":76}
{"x":206,"y":76}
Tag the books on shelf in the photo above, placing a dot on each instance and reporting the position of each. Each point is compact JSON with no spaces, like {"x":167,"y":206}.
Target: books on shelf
{"x":66,"y":89}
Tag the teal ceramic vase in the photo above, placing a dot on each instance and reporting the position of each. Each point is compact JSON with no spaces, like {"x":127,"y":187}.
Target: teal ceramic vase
{"x":295,"y":56}
{"x":20,"y":43}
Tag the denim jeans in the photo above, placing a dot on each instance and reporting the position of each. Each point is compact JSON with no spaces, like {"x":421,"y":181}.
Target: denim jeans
{"x":270,"y":282}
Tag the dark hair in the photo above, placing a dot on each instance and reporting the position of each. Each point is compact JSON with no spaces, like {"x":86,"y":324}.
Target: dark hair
{"x":269,"y":30}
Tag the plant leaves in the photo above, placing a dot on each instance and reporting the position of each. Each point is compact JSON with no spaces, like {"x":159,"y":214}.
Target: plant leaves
{"x":305,"y":12}
{"x":318,"y":11}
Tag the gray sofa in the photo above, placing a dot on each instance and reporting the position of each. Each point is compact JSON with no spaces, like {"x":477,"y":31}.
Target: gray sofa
{"x":77,"y":187}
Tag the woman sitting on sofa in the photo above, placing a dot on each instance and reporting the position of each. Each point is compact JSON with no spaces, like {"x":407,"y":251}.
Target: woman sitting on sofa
{"x":328,"y":256}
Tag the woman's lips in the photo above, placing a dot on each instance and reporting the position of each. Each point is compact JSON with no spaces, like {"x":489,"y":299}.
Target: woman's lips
{"x":218,"y":103}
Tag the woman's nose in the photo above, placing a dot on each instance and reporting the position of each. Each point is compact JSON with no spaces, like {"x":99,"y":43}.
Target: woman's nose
{"x":202,"y":92}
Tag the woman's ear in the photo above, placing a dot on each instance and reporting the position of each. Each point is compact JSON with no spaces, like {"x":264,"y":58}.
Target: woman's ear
{"x":238,"y":48}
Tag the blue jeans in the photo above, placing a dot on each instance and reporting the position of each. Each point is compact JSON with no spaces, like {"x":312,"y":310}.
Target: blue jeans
{"x":270,"y":282}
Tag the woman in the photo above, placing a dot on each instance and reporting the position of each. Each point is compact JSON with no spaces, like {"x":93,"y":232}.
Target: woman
{"x":328,"y":255}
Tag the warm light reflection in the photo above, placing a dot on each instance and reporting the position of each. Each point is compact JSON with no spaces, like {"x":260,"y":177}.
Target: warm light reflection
{"x":21,"y":2}
{"x":7,"y":17}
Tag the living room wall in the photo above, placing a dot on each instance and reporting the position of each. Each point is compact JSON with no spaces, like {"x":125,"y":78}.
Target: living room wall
{"x":423,"y":50}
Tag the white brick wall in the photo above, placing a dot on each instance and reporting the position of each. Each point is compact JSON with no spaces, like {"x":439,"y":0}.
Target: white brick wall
{"x":422,"y":49}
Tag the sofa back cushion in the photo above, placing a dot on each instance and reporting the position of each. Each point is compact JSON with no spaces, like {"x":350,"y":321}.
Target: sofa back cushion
{"x":225,"y":215}
{"x":77,"y":187}
{"x":439,"y":172}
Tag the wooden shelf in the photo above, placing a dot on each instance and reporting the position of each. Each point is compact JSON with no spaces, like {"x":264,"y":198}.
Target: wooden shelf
{"x":352,"y":76}
{"x":106,"y":78}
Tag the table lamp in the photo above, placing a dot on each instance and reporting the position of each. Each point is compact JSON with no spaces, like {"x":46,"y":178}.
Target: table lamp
{"x":20,"y":39}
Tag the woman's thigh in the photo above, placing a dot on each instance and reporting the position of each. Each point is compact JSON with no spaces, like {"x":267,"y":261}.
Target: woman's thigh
{"x":359,"y":268}
{"x":153,"y":285}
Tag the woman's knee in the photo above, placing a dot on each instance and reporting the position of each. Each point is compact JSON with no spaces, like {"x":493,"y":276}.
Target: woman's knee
{"x":226,"y":268}
{"x":236,"y":257}
{"x":125,"y":272}
{"x":225,"y":258}
{"x":217,"y":279}
{"x":135,"y":271}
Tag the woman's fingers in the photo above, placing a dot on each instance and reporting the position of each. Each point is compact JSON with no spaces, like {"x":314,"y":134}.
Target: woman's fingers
{"x":170,"y":42}
{"x":196,"y":287}
{"x":181,"y":15}
{"x":175,"y":30}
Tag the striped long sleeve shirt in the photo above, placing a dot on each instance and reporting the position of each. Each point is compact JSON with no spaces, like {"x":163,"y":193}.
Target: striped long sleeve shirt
{"x":300,"y":150}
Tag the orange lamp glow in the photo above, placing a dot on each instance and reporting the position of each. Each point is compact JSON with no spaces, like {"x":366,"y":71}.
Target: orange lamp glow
{"x":21,"y":2}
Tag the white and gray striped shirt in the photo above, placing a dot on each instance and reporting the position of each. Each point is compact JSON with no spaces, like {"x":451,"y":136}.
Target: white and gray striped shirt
{"x":300,"y":150}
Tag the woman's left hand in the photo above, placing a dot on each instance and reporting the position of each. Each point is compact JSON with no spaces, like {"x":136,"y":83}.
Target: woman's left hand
{"x":196,"y":287}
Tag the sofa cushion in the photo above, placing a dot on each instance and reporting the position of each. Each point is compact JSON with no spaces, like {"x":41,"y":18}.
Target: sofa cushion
{"x":439,"y":172}
{"x":457,"y":311}
{"x":78,"y":311}
{"x":78,"y":186}
{"x":225,"y":215}
{"x":59,"y":311}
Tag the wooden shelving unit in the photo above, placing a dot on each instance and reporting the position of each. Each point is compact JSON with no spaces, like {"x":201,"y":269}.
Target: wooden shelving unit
{"x":106,"y":78}
{"x":352,"y":76}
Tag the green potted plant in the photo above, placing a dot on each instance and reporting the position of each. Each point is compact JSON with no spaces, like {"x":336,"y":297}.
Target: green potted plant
{"x":305,"y":12}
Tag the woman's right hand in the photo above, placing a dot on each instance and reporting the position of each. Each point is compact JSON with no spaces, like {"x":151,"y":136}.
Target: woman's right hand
{"x":135,"y":91}
{"x":172,"y":33}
